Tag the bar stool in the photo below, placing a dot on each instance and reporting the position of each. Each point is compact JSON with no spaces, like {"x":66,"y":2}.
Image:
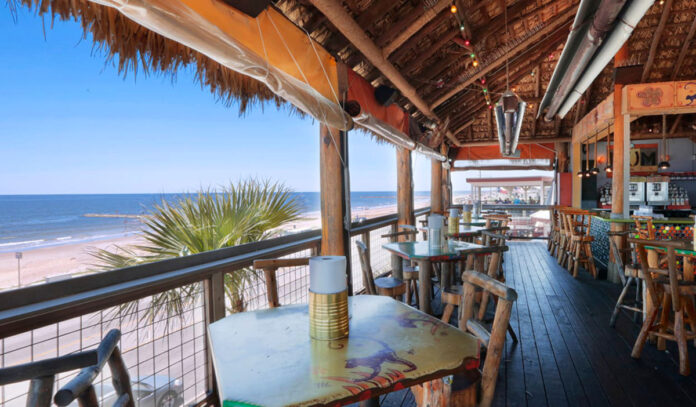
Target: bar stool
{"x":565,"y":235}
{"x":555,"y":235}
{"x":580,"y":223}
{"x":669,"y":293}
{"x":629,"y":274}
{"x":387,"y":286}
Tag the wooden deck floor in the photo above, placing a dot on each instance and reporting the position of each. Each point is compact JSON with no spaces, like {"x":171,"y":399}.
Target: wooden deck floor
{"x":567,"y":354}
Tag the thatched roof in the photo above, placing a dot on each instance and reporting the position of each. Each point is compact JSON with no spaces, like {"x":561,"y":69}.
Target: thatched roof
{"x":429,"y":46}
{"x":435,"y":61}
{"x":134,"y":48}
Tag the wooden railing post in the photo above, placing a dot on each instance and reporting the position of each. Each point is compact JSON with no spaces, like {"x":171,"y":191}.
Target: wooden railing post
{"x":335,"y":196}
{"x":214,"y":298}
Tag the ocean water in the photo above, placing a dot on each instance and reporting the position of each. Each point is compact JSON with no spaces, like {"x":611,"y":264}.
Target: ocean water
{"x":32,"y":221}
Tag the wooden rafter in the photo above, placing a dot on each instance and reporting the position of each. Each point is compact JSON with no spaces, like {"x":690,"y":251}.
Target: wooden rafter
{"x":684,"y":50}
{"x":404,"y":29}
{"x":656,"y":40}
{"x":555,"y":24}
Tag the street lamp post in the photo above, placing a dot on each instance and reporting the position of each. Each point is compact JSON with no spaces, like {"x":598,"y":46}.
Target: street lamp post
{"x":18,"y":256}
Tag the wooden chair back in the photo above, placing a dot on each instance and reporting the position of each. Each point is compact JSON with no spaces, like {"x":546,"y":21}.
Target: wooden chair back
{"x":493,"y":339}
{"x":42,"y":376}
{"x":649,"y":273}
{"x":647,"y":232}
{"x":496,"y":220}
{"x":408,"y":232}
{"x":368,"y":278}
{"x":578,"y":221}
{"x":270,"y":268}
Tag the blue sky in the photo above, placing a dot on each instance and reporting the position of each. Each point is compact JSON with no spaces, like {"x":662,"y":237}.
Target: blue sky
{"x":69,"y":123}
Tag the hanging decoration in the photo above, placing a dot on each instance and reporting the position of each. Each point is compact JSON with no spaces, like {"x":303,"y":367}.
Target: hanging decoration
{"x":509,"y":111}
{"x":610,"y":158}
{"x":587,"y":173}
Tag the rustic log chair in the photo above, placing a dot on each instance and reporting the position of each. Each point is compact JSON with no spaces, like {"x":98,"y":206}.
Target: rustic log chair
{"x":270,"y":268}
{"x":42,"y":376}
{"x":492,"y":340}
{"x":629,"y":274}
{"x":668,"y":293}
{"x":409,"y":270}
{"x":580,"y":222}
{"x":388,"y":286}
{"x":453,"y":296}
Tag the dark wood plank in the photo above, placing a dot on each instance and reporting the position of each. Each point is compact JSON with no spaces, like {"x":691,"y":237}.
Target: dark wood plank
{"x":589,"y":311}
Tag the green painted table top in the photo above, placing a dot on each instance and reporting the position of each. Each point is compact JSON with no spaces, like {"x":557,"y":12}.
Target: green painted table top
{"x":683,"y":252}
{"x":266,"y":358}
{"x":421,"y":250}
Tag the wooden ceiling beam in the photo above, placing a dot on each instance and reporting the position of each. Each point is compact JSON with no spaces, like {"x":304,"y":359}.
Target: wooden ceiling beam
{"x":483,"y":143}
{"x":656,"y":40}
{"x":555,"y":24}
{"x":494,"y":81}
{"x":408,"y":26}
{"x":684,"y":50}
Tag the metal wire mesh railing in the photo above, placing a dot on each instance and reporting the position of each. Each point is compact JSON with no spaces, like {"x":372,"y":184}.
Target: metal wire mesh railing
{"x":165,"y":353}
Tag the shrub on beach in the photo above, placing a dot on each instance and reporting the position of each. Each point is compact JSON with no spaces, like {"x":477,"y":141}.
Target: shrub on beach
{"x":248,"y":211}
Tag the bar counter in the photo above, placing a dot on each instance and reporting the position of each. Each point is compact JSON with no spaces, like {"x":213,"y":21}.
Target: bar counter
{"x":667,"y":228}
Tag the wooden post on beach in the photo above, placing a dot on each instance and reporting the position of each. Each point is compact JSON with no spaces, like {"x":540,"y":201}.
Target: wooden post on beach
{"x":335,"y":192}
{"x":436,"y":187}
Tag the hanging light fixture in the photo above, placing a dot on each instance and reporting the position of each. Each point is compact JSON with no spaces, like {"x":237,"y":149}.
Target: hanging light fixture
{"x":509,"y":112}
{"x":587,"y":172}
{"x":581,"y":171}
{"x":595,"y":169}
{"x":609,"y":168}
{"x":664,"y":164}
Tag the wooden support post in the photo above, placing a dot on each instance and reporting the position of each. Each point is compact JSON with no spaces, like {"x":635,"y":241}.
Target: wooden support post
{"x":621,"y":163}
{"x":335,"y":195}
{"x":214,"y":292}
{"x":404,"y":188}
{"x":577,"y":182}
{"x":436,"y":187}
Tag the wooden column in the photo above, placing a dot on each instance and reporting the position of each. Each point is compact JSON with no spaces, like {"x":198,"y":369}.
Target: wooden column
{"x":577,"y":182}
{"x":404,"y":201}
{"x":404,"y":187}
{"x":446,"y":182}
{"x":436,"y":187}
{"x":621,"y":163}
{"x":335,"y":192}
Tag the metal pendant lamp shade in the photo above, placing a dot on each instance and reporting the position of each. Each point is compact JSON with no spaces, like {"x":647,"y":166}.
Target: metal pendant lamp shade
{"x":509,"y":114}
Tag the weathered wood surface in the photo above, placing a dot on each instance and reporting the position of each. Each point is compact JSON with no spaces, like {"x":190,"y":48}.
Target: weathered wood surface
{"x":267,"y":358}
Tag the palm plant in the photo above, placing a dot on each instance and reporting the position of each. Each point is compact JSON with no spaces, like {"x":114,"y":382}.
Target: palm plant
{"x":248,"y":211}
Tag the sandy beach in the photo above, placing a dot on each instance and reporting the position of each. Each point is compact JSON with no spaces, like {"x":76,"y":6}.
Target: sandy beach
{"x":38,"y":264}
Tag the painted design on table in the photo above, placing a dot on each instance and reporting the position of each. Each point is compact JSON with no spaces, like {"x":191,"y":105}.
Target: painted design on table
{"x":369,"y":371}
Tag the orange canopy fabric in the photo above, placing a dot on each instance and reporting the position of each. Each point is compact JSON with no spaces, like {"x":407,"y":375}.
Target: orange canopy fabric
{"x":268,"y":48}
{"x":527,"y":151}
{"x":362,"y":91}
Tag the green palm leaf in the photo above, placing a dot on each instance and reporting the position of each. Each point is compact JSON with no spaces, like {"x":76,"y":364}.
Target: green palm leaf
{"x":248,"y":211}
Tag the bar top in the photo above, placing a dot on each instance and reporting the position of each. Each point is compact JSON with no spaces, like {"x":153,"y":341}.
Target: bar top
{"x":666,"y":221}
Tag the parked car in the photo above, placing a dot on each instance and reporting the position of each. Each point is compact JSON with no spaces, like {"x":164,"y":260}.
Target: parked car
{"x":152,"y":391}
